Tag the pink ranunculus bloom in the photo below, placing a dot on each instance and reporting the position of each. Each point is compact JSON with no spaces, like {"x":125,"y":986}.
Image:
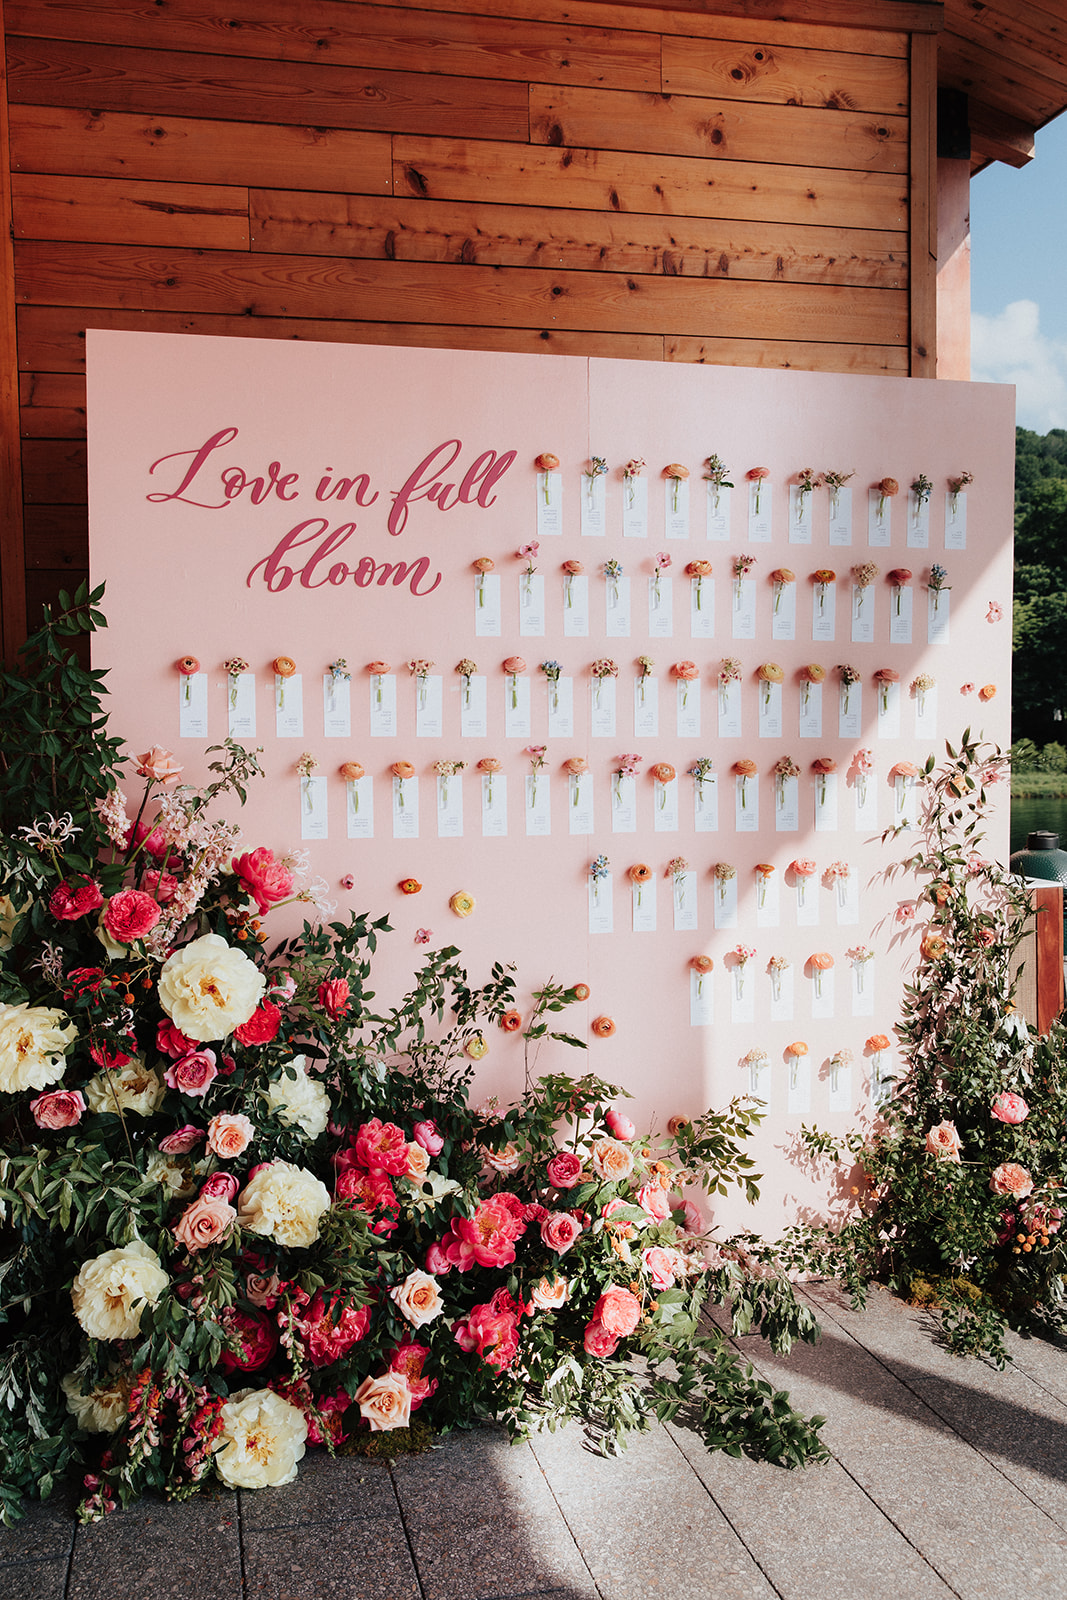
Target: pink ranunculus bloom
{"x":223,"y":1185}
{"x":192,"y":1074}
{"x":1008,"y":1107}
{"x":182,"y":1140}
{"x":1010,"y":1178}
{"x":327,"y":1336}
{"x":618,"y":1310}
{"x":559,"y":1231}
{"x":160,"y":766}
{"x":986,"y":938}
{"x":906,"y":911}
{"x":437,"y":1262}
{"x":205,"y":1222}
{"x":60,"y":1108}
{"x":620,"y":1125}
{"x":426,"y":1134}
{"x":266,"y":880}
{"x":382,"y":1147}
{"x":73,"y":900}
{"x":130,"y":914}
{"x":171,"y":1041}
{"x":261,"y":1027}
{"x":564,"y":1170}
{"x":664,"y":1266}
{"x":654,"y":1199}
{"x":255,"y":1336}
{"x":597,"y":1341}
{"x":335,"y":997}
{"x":943,"y":1141}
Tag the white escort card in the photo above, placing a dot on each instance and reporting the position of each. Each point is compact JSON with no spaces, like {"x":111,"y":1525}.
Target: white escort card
{"x":594,"y":493}
{"x":687,"y":691}
{"x":646,"y":706}
{"x":382,"y":692}
{"x":888,"y":698}
{"x":450,"y":806}
{"x":901,"y":601}
{"x":879,"y":517}
{"x":702,"y":608}
{"x":617,"y":607}
{"x":724,"y":902}
{"x":841,"y":516}
{"x":770,"y":709}
{"x":706,"y":804}
{"x":487,"y":605}
{"x":937,"y":608}
{"x":643,"y":897}
{"x":701,"y":999}
{"x":623,"y":803}
{"x":850,"y":710}
{"x":474,"y":706}
{"x":314,"y":821}
{"x":863,"y":613}
{"x":865,"y":799}
{"x":192,"y":705}
{"x":580,"y":802}
{"x":839,"y":1088}
{"x":784,"y":611}
{"x":956,"y":521}
{"x":786,"y":805}
{"x":405,"y":808}
{"x":516,"y":706}
{"x":743,"y":608}
{"x":862,"y":983}
{"x":925,"y":700}
{"x":822,"y":993}
{"x":429,"y":706}
{"x":823,"y":607}
{"x":289,"y":706}
{"x":760,"y":511}
{"x":600,"y":903}
{"x":729,"y":698}
{"x":634,"y":507}
{"x":665,"y":806}
{"x":549,"y":503}
{"x":575,"y":606}
{"x":531,"y":605}
{"x":241,"y":703}
{"x":918,"y":520}
{"x":684,"y":900}
{"x":494,"y":805}
{"x":718,"y":507}
{"x":782,"y":990}
{"x":810,"y":710}
{"x":660,"y":606}
{"x":359,"y":807}
{"x":746,"y":803}
{"x":825,"y":802}
{"x":676,"y":508}
{"x":768,"y":905}
{"x":336,"y":707}
{"x":798,"y":1085}
{"x":800,"y":514}
{"x":538,"y":795}
{"x":602,"y":708}
{"x":561,"y":708}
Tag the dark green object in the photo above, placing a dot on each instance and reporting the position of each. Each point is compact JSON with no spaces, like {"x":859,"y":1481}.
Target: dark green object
{"x":1042,"y":858}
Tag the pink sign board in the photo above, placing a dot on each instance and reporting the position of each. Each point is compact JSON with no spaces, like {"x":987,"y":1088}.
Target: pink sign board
{"x":323,"y":508}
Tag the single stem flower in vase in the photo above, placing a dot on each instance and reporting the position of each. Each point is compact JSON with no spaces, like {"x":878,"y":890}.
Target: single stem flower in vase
{"x":528,"y":553}
{"x":822,"y":766}
{"x":514,"y":667}
{"x":835,"y":482}
{"x":802,"y":869}
{"x":646,"y":664}
{"x":807,"y":480}
{"x":351,"y":772}
{"x":742,"y":954}
{"x":188,"y":667}
{"x":627,"y":768}
{"x":677,"y":474}
{"x":630,"y":473}
{"x":402,"y":771}
{"x":613,"y":572}
{"x":698,"y":571}
{"x":663,"y":774}
{"x":899,"y":577}
{"x":676,"y":870}
{"x":837,"y":874}
{"x":776,"y":966}
{"x":745,"y":769}
{"x":378,"y":671}
{"x":764,"y":874}
{"x":877,"y":1044}
{"x":724,"y":875}
{"x":862,"y":763}
{"x":822,"y":579}
{"x":446,"y":770}
{"x":536,"y":753}
{"x":482,"y":566}
{"x":703,"y":770}
{"x":729,"y":672}
{"x":848,"y":676}
{"x":842,"y":1058}
{"x":552,"y":670}
{"x":859,"y":955}
{"x":716,"y":476}
{"x":784,"y":768}
{"x":796,"y":1051}
{"x":575,"y":766}
{"x":900,"y":773}
{"x":305,"y":767}
{"x":339,"y":673}
{"x":545,"y":463}
{"x":956,"y":487}
{"x":603,"y":667}
{"x":936,"y":583}
{"x":884,"y":677}
{"x":767,"y":676}
{"x":822,"y":961}
{"x":919,"y":686}
{"x":810,"y":674}
{"x":233,"y":670}
{"x":598,"y":870}
{"x":420,"y":669}
{"x":780,"y":577}
{"x":489,"y":765}
{"x":863,"y":575}
{"x":921,"y":490}
{"x":756,"y":475}
{"x":701,"y":965}
{"x":755,"y":1060}
{"x":466,"y":669}
{"x":685,"y":672}
{"x":887,"y":488}
{"x":571,"y":570}
{"x":596,"y":469}
{"x":742,"y":566}
{"x":640,"y":874}
{"x":662,"y":562}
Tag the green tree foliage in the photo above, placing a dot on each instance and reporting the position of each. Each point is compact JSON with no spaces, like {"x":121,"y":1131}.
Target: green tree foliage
{"x":1039,"y":634}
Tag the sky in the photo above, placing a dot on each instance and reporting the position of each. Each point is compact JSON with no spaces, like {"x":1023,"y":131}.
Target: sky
{"x":1018,"y":281}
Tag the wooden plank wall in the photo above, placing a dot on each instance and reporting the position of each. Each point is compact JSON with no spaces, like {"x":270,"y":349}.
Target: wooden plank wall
{"x":591,"y":178}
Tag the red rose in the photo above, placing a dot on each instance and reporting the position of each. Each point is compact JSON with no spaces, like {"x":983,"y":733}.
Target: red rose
{"x":192,"y":1074}
{"x":264,"y":878}
{"x":335,"y":997}
{"x":73,"y":900}
{"x":110,"y":1056}
{"x":255,"y":1337}
{"x":130,"y":914}
{"x":261,"y":1027}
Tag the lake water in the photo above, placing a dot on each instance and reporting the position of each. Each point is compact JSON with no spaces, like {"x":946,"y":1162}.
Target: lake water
{"x":1046,"y":812}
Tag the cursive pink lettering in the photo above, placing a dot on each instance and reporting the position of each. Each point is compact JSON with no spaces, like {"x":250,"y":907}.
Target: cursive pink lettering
{"x":216,"y":442}
{"x":320,"y":541}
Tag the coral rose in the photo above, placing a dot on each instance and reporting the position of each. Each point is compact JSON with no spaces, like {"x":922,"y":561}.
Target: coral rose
{"x":261,"y":1027}
{"x":264,"y":879}
{"x":192,"y":1074}
{"x":229,"y":1135}
{"x":1010,"y":1178}
{"x":597,"y":1341}
{"x":159,"y":766}
{"x":73,"y":900}
{"x":621,"y":1126}
{"x":130,"y":914}
{"x":1011,"y":1108}
{"x":618,"y":1311}
{"x":943,"y":1141}
{"x":335,"y":997}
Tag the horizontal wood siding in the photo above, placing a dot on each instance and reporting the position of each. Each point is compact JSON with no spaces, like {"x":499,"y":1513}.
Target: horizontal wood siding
{"x":583,"y":179}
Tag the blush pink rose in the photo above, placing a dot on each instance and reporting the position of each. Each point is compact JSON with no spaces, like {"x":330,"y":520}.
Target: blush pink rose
{"x":171,"y":1041}
{"x":130,"y":914}
{"x":620,"y":1126}
{"x":266,"y":880}
{"x":654,"y":1199}
{"x":618,"y":1311}
{"x":182,"y":1140}
{"x":159,"y":766}
{"x":1010,"y":1178}
{"x":425,"y":1133}
{"x":221,"y":1185}
{"x":335,"y":997}
{"x":597,"y":1341}
{"x":230,"y":1134}
{"x":192,"y":1074}
{"x":559,"y":1231}
{"x":152,"y":840}
{"x":1008,"y":1107}
{"x":205,"y":1222}
{"x":62,"y":1108}
{"x":73,"y":900}
{"x":436,"y":1261}
{"x":261,"y":1027}
{"x":564,"y":1170}
{"x":943,"y":1141}
{"x":663,"y":1266}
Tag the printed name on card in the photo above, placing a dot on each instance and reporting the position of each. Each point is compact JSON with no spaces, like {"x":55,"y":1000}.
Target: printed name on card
{"x":487,"y":607}
{"x":575,"y":606}
{"x":192,"y":705}
{"x":634,"y":506}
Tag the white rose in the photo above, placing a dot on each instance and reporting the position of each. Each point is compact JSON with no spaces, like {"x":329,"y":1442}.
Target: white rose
{"x":111,"y":1290}
{"x":103,"y":1409}
{"x":418,"y":1298}
{"x":208,"y":988}
{"x":173,"y":1175}
{"x":33,"y":1040}
{"x":264,"y":1438}
{"x":135,"y":1087}
{"x":284,"y":1203}
{"x":301,"y":1102}
{"x":548,"y":1294}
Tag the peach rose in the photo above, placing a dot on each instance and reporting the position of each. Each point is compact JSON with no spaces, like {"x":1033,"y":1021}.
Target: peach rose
{"x":1011,"y":1179}
{"x":230,"y":1134}
{"x":205,"y":1222}
{"x":611,"y":1160}
{"x":514,"y":665}
{"x":617,"y":1311}
{"x":943,"y":1142}
{"x":159,"y":766}
{"x":418,"y":1298}
{"x":1010,"y":1108}
{"x":418,"y":1163}
{"x":385,"y":1402}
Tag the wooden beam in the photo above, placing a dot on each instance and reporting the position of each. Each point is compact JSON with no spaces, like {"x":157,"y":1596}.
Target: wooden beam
{"x":998,"y":137}
{"x":706,"y":16}
{"x":922,"y":192}
{"x":12,"y":535}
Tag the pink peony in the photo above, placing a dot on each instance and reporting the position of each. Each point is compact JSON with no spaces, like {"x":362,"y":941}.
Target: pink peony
{"x":192,"y":1074}
{"x":944,"y":1142}
{"x":205,"y":1222}
{"x":73,"y":900}
{"x":335,"y":997}
{"x":254,"y":1336}
{"x":261,"y":1027}
{"x":182,"y":1140}
{"x":489,"y":1236}
{"x":221,"y":1185}
{"x":564,"y":1170}
{"x":618,"y":1311}
{"x":620,"y":1126}
{"x":1008,"y":1107}
{"x":263,"y":878}
{"x":654,"y":1198}
{"x":598,"y":1341}
{"x":1010,"y":1178}
{"x":62,"y":1108}
{"x":159,"y":766}
{"x":559,"y":1231}
{"x":409,"y":1359}
{"x":328,"y":1335}
{"x":130,"y":914}
{"x":382,"y":1147}
{"x":492,"y":1330}
{"x":425,"y":1134}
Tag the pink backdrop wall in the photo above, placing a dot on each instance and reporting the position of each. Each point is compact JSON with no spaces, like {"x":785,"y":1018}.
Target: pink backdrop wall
{"x":201,"y":559}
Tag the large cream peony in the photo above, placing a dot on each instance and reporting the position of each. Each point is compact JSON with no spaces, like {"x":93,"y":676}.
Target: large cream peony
{"x":135,"y":1087}
{"x":103,"y":1409}
{"x":111,"y":1291}
{"x":208,"y":988}
{"x":33,"y":1040}
{"x":263,"y":1438}
{"x":284,"y":1203}
{"x":301,"y":1102}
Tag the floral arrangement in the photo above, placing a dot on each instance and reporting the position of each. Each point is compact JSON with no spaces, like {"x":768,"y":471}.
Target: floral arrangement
{"x":835,"y":482}
{"x":552,"y":671}
{"x":630,"y":472}
{"x":698,"y":571}
{"x":807,"y":480}
{"x":742,"y":566}
{"x":596,"y":469}
{"x":703,"y":770}
{"x":716,"y":476}
{"x":936,"y":583}
{"x":963,"y":1185}
{"x":921,"y":488}
{"x":920,"y":684}
{"x":724,"y":873}
{"x":613,"y":572}
{"x":776,"y":966}
{"x":956,"y":487}
{"x":661,"y":564}
{"x":784,"y":769}
{"x":245,"y":1214}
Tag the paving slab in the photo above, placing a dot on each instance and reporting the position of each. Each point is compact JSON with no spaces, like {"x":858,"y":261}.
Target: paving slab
{"x":160,"y":1551}
{"x":35,"y":1580}
{"x":45,"y":1533}
{"x":342,"y":1489}
{"x":367,"y":1559}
